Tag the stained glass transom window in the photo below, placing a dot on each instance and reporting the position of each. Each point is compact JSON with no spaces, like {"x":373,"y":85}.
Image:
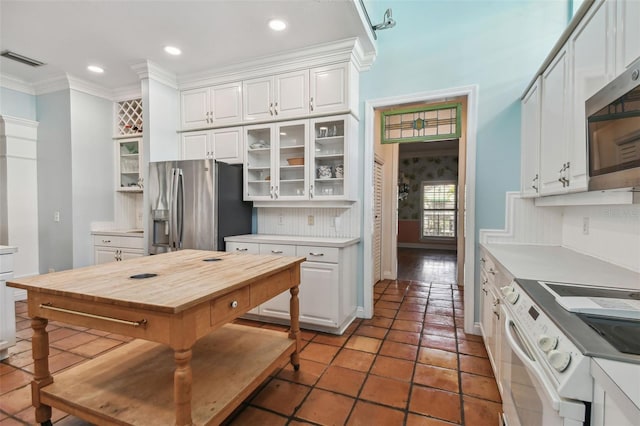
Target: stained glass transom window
{"x":422,"y":124}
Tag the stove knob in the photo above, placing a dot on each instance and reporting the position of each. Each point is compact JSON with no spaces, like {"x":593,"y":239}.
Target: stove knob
{"x":559,"y":360}
{"x":512,"y":297}
{"x":546,"y":343}
{"x":506,"y":290}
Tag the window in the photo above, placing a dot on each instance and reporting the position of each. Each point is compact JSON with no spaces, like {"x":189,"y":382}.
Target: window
{"x":427,"y":123}
{"x":439,"y":208}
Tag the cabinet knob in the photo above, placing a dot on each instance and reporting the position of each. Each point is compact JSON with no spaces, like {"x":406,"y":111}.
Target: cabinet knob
{"x":234,"y":304}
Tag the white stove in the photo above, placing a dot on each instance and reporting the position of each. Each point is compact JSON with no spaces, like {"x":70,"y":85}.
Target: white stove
{"x":551,"y":331}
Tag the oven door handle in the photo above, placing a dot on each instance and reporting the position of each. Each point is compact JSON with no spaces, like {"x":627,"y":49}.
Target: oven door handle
{"x":526,"y":357}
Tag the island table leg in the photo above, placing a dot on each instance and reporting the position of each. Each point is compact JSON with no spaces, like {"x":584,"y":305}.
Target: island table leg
{"x":182,"y":384}
{"x":294,"y":331}
{"x":41,"y":375}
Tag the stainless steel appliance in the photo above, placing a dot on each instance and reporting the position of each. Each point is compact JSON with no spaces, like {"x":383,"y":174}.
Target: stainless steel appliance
{"x":547,"y":347}
{"x":195,"y":204}
{"x":613,"y":132}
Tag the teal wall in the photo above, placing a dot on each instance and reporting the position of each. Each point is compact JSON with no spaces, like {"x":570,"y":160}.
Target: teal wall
{"x":17,"y":104}
{"x":497,"y":45}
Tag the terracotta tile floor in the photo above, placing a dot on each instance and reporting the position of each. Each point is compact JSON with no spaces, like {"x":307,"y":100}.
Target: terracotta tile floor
{"x":410,"y":364}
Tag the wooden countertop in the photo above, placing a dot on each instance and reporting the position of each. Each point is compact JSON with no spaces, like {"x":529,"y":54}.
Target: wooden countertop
{"x":178,"y":285}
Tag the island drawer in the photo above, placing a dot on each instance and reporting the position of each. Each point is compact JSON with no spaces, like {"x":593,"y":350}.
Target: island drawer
{"x":229,"y":306}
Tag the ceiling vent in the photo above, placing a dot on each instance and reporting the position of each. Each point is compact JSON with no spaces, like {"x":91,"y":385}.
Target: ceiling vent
{"x":22,"y":59}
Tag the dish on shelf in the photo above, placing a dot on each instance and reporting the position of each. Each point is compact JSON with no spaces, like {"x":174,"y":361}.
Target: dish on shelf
{"x":258,"y":145}
{"x":295,"y":161}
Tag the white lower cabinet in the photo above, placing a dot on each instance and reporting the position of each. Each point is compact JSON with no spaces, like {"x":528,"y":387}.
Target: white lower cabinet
{"x":327,"y":292}
{"x":115,"y":248}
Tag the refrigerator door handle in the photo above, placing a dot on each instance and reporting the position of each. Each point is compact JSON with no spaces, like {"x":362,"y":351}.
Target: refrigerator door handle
{"x":173,"y":211}
{"x":180,"y":208}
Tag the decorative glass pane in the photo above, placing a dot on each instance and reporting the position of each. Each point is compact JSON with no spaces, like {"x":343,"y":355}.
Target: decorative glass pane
{"x":439,"y":224}
{"x":431,"y":123}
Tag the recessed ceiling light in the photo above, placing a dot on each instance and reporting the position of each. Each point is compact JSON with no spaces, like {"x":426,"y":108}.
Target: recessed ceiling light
{"x":171,"y":50}
{"x":277,"y":25}
{"x":96,"y":69}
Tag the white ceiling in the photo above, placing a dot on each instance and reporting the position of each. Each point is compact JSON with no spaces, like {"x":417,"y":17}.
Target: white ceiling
{"x":70,"y":35}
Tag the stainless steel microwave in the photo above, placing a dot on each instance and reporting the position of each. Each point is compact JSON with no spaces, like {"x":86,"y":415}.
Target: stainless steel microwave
{"x":613,"y":132}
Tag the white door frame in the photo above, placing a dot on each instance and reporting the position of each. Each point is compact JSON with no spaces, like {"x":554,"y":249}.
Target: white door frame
{"x":471,"y":92}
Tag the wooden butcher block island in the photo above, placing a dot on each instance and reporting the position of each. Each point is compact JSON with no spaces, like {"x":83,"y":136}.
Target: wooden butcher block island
{"x":188,"y":366}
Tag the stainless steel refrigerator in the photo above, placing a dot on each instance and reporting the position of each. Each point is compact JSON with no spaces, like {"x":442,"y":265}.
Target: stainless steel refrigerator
{"x":194,"y":204}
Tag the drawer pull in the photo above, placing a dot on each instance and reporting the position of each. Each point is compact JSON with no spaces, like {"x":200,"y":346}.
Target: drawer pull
{"x":491,"y":271}
{"x":234,"y":304}
{"x":241,"y":249}
{"x":316,"y":254}
{"x":141,"y":323}
{"x":106,"y":241}
{"x":276,"y":251}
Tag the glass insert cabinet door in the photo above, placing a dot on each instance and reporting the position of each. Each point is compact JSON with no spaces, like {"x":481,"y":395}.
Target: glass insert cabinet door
{"x":328,"y":159}
{"x":129,"y":156}
{"x":292,"y":138}
{"x":259,"y":174}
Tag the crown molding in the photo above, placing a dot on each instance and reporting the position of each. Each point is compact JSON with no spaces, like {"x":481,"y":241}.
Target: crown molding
{"x":14,"y":83}
{"x":152,"y":71}
{"x":125,"y":93}
{"x":7,"y":119}
{"x":309,"y":57}
{"x":89,"y":88}
{"x":51,"y":85}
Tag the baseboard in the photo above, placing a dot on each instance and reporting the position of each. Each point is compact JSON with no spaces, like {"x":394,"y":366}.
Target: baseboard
{"x":360,"y":313}
{"x":427,"y":246}
{"x":476,"y":329}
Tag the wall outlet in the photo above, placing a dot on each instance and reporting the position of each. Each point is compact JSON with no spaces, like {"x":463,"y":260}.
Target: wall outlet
{"x":56,"y":216}
{"x":585,"y":226}
{"x":310,"y":220}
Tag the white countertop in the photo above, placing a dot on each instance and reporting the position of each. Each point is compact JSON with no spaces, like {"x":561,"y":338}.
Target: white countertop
{"x":289,"y":239}
{"x":8,"y":249}
{"x":555,"y":263}
{"x":138,"y":233}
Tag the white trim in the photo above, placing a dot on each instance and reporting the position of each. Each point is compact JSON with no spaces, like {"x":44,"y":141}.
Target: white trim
{"x":17,"y":84}
{"x":126,"y":93}
{"x":484,"y":235}
{"x":7,"y":119}
{"x":19,"y":294}
{"x":51,"y":85}
{"x":309,"y":57}
{"x":471,"y":92}
{"x":88,"y":88}
{"x":152,"y":71}
{"x":360,"y":312}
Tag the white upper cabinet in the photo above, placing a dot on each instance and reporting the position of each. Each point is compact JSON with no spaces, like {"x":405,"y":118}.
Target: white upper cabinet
{"x":329,"y":89}
{"x":216,"y":105}
{"x":530,"y":136}
{"x":628,"y":33}
{"x":590,"y":59}
{"x":225,"y":144}
{"x":292,"y":94}
{"x":592,"y":50}
{"x":281,"y":96}
{"x":554,"y":129}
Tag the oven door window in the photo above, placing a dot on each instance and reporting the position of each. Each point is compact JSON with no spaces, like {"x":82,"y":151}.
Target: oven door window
{"x":527,"y":400}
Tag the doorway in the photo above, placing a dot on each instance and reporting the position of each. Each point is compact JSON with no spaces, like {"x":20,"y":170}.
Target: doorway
{"x":466,"y":218}
{"x":428,"y":206}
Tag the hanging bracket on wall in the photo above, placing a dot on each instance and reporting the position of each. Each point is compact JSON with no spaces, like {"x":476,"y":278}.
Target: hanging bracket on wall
{"x":387,"y":21}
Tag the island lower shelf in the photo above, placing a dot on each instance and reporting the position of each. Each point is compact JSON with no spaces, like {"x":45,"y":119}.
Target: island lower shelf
{"x":134,"y":383}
